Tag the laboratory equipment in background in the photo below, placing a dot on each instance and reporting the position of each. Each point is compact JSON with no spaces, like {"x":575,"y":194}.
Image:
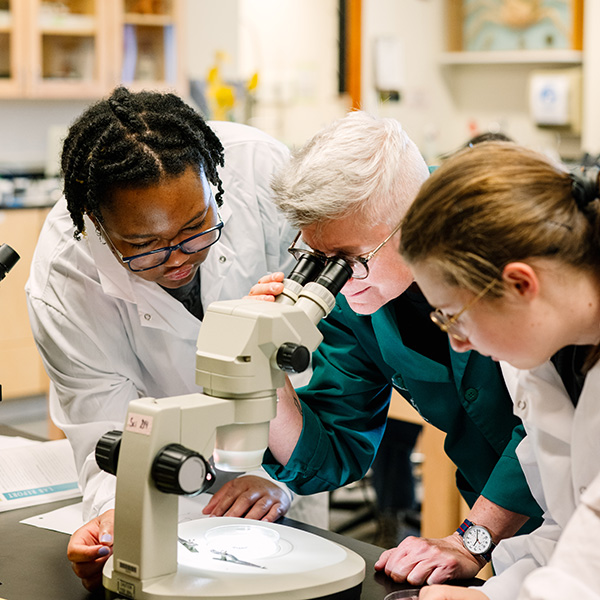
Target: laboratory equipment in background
{"x":8,"y":259}
{"x":29,"y":190}
{"x":244,"y":347}
{"x":555,"y":99}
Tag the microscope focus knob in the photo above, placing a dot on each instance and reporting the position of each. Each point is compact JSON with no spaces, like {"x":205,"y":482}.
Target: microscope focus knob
{"x":107,"y":451}
{"x":293,"y":357}
{"x":179,"y":470}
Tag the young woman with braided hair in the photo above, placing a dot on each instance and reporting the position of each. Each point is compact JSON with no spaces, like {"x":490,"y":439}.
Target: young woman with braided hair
{"x":162,"y":215}
{"x":506,"y":244}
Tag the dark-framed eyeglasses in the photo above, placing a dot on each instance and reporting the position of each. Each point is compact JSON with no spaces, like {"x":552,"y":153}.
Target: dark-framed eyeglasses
{"x":449,"y":323}
{"x":156,"y":258}
{"x":359,"y":264}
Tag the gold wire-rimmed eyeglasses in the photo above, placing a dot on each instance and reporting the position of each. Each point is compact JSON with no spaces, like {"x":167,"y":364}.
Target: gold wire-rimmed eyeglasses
{"x":449,"y":323}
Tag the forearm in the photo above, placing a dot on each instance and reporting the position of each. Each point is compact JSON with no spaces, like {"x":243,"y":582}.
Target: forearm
{"x":500,"y":522}
{"x":286,"y":427}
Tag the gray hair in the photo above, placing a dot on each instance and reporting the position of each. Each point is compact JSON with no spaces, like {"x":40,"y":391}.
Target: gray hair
{"x":356,"y":165}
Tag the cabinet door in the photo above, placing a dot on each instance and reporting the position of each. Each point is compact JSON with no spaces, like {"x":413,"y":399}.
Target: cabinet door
{"x":67,"y":48}
{"x":150,"y":50}
{"x":21,"y":369}
{"x":12,"y":48}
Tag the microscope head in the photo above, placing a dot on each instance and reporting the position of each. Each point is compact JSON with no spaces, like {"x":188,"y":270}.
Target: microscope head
{"x":244,"y":347}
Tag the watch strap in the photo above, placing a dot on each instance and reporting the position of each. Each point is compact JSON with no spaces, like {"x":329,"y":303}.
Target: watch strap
{"x":462,"y":528}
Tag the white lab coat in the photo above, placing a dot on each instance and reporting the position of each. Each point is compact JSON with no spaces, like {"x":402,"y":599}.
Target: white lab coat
{"x":560,"y":457}
{"x":107,"y":336}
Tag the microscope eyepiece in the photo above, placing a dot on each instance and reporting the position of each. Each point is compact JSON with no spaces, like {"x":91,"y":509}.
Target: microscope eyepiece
{"x":307,"y":268}
{"x":8,"y":259}
{"x":335,"y":275}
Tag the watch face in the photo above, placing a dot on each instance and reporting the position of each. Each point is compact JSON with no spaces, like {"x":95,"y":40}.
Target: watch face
{"x":477,"y":540}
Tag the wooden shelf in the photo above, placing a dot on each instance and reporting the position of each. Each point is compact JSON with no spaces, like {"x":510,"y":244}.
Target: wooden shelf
{"x":75,"y":31}
{"x":148,"y":20}
{"x":514,"y":57}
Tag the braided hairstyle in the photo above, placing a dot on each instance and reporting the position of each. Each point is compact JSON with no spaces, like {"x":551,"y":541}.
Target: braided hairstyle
{"x":134,"y":140}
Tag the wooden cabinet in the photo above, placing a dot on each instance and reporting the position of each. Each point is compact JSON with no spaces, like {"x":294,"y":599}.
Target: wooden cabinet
{"x":150,"y":46}
{"x":21,"y":369}
{"x":83,"y":48}
{"x":12,"y":47}
{"x":68,"y":49}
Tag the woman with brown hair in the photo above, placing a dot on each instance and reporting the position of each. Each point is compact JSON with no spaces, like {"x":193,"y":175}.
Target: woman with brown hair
{"x":505,"y":244}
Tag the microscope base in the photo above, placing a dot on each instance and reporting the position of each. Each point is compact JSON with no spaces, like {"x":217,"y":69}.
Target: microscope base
{"x":302,"y":566}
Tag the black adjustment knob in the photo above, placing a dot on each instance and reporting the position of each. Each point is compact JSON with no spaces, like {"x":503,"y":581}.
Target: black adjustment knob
{"x":107,"y":451}
{"x":292,"y":357}
{"x":179,"y":470}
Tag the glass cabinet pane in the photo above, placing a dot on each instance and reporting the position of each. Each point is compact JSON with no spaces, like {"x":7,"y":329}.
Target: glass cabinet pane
{"x":149,"y":44}
{"x":6,"y":40}
{"x":68,"y":32}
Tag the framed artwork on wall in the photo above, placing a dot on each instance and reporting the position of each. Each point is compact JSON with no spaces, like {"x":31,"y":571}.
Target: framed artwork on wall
{"x":508,"y":25}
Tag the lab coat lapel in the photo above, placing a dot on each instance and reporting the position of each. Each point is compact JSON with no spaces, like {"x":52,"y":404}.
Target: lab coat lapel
{"x":155,"y":307}
{"x":541,"y":399}
{"x":403,"y":359}
{"x":459,"y":361}
{"x":586,"y":433}
{"x":542,"y":402}
{"x":215,"y":269}
{"x":115,"y":280}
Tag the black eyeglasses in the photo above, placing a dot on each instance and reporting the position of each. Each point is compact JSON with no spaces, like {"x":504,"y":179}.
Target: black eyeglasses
{"x":359,"y":264}
{"x":155,"y":258}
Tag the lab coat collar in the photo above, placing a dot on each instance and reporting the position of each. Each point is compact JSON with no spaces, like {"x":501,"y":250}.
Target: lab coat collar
{"x":459,"y":361}
{"x":120,"y":283}
{"x":214,"y":270}
{"x":156,"y":307}
{"x":115,"y":280}
{"x":541,"y":398}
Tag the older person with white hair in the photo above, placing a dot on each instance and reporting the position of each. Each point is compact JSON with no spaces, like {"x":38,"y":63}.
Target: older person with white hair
{"x":347,"y":191}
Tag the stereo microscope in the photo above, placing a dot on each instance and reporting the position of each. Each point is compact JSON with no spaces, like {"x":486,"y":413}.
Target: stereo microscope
{"x":244,"y":348}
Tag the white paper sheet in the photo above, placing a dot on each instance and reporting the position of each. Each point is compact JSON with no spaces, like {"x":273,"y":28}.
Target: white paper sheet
{"x":68,"y":519}
{"x":12,"y":441}
{"x":37,"y":473}
{"x":64,"y":520}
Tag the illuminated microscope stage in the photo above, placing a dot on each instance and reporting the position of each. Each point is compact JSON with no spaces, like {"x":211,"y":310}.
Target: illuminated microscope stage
{"x":285,"y":563}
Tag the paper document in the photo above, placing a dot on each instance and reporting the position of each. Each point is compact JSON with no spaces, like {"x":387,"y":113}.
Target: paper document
{"x":36,"y":474}
{"x":69,"y":518}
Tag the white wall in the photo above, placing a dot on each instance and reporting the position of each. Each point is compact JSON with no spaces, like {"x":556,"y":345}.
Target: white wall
{"x":590,"y":138}
{"x":24,"y":130}
{"x":293,"y":45}
{"x":211,"y":26}
{"x":442,"y":106}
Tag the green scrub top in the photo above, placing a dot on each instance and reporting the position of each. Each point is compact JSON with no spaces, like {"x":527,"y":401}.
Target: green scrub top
{"x":346,"y":402}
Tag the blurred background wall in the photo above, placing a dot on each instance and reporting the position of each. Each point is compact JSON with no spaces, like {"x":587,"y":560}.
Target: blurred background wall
{"x":293,"y":46}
